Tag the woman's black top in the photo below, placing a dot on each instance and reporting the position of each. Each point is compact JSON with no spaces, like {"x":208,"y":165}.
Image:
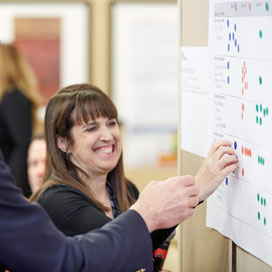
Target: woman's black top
{"x":74,"y":213}
{"x":15,"y":135}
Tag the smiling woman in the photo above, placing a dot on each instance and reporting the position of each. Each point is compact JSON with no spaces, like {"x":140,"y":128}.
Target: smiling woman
{"x":84,"y":184}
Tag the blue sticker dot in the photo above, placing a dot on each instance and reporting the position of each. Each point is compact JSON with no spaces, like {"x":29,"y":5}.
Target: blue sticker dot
{"x":235,"y":145}
{"x":238,"y":48}
{"x":228,"y":65}
{"x":235,"y":42}
{"x":227,"y":180}
{"x":235,"y":27}
{"x":228,"y":23}
{"x":228,"y":79}
{"x":233,"y":35}
{"x":228,"y":47}
{"x":229,"y":36}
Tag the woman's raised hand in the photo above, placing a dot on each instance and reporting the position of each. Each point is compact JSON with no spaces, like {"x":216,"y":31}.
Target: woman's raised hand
{"x":220,"y":162}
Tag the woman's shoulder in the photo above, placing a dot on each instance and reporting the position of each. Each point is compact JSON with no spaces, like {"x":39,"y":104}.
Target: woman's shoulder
{"x":15,"y":97}
{"x":14,"y":93}
{"x":61,"y":192}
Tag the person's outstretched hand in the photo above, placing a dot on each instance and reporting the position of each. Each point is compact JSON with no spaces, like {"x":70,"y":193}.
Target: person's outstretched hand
{"x":164,"y":204}
{"x":220,"y":162}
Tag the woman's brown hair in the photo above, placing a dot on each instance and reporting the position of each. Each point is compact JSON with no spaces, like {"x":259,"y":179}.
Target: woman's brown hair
{"x":76,"y":105}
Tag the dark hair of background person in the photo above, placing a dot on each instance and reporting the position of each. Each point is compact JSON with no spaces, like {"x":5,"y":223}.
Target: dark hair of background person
{"x":19,"y":101}
{"x":76,"y":105}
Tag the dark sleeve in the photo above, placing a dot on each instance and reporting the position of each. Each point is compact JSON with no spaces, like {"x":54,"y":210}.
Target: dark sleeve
{"x":126,"y":247}
{"x":17,"y":113}
{"x":158,"y":236}
{"x":30,"y":242}
{"x":72,"y":212}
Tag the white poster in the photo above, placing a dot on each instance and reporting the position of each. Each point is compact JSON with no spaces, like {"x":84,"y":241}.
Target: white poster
{"x":195,"y":100}
{"x":240,"y":42}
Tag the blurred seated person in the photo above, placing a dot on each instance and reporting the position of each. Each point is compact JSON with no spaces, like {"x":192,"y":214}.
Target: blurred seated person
{"x":19,"y":101}
{"x":85,"y":185}
{"x":36,"y":161}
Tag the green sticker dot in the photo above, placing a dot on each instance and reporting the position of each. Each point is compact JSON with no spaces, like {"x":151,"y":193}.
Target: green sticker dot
{"x":257,"y":108}
{"x":257,"y":119}
{"x":261,"y":34}
{"x":259,"y":216}
{"x":261,"y":108}
{"x":266,"y":6}
{"x":260,"y":120}
{"x":264,"y":221}
{"x":261,"y":201}
{"x":260,"y":80}
{"x":266,"y":111}
{"x":258,"y":197}
{"x":264,"y":202}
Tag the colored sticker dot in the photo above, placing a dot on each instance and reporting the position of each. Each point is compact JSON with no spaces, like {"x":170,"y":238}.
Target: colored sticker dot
{"x":235,"y":27}
{"x":228,"y":23}
{"x":238,"y":48}
{"x":235,"y":42}
{"x":261,"y":121}
{"x":227,"y":180}
{"x":264,"y":202}
{"x":261,"y":107}
{"x":228,"y":80}
{"x":257,"y":119}
{"x":259,"y":215}
{"x":266,"y":6}
{"x":261,"y":201}
{"x":260,"y":80}
{"x":260,"y":34}
{"x":235,"y":145}
{"x":257,"y":108}
{"x":229,"y":36}
{"x":266,"y":111}
{"x":264,"y":221}
{"x":228,"y":65}
{"x":228,"y":47}
{"x":258,"y":197}
{"x":258,"y":159}
{"x":233,"y":35}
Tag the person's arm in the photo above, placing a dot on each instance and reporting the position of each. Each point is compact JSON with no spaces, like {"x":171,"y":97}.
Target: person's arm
{"x":17,"y":113}
{"x":29,"y":241}
{"x":158,"y":236}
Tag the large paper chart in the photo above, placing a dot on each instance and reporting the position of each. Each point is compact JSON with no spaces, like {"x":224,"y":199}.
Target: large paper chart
{"x":240,"y":41}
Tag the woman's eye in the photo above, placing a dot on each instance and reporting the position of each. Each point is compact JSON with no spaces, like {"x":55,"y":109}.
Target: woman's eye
{"x":112,"y":123}
{"x":91,"y":129}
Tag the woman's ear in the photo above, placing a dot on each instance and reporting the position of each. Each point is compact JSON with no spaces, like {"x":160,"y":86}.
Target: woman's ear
{"x":62,"y":144}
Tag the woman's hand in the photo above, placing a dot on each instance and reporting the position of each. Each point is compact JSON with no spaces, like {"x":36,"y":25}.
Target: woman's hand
{"x":220,"y":162}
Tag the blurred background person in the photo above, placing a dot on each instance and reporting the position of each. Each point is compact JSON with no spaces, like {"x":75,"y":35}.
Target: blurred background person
{"x":36,"y":162}
{"x":19,"y":101}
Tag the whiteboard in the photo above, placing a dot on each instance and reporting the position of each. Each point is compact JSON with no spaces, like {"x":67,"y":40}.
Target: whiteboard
{"x":145,"y":77}
{"x":240,"y":41}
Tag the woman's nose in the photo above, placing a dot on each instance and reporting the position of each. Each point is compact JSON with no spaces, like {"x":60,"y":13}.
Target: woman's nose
{"x":106,"y":134}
